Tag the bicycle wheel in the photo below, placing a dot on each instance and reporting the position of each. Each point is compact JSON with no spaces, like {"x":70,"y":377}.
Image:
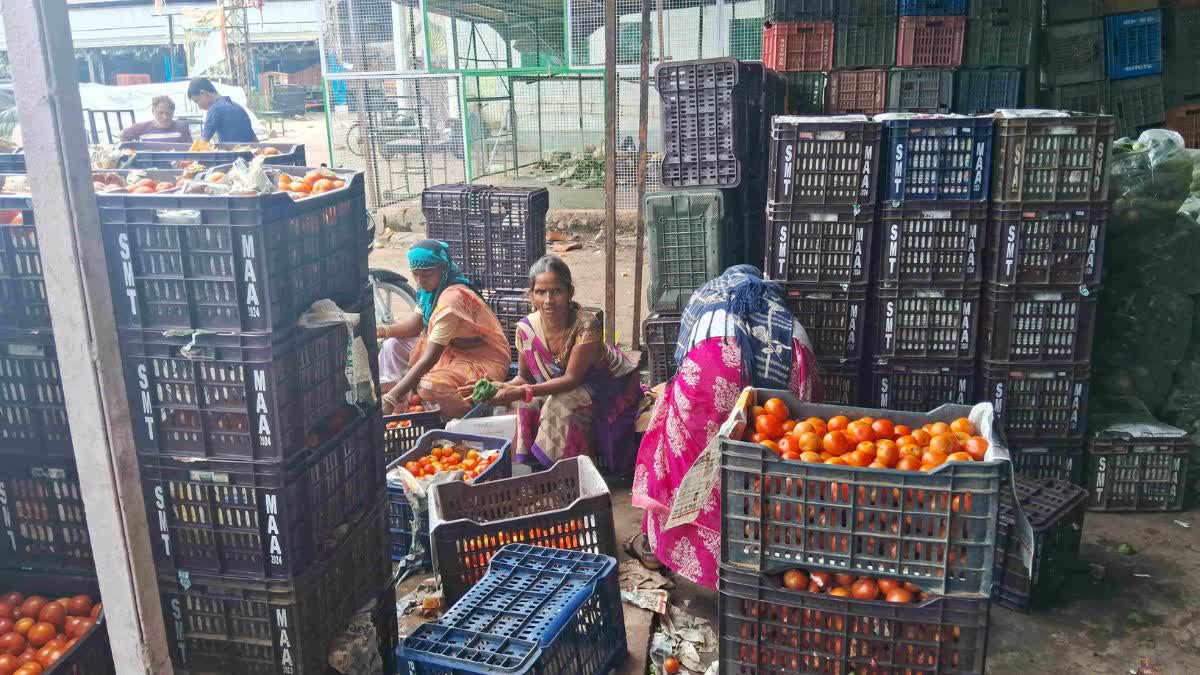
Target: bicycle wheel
{"x":393,"y":295}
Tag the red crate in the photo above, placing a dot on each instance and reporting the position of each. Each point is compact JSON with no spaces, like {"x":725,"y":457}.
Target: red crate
{"x":857,"y":91}
{"x":792,"y":46}
{"x":931,"y":41}
{"x":1186,"y":120}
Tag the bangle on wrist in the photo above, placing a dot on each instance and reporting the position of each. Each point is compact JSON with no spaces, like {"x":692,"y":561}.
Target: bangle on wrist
{"x":528,"y":393}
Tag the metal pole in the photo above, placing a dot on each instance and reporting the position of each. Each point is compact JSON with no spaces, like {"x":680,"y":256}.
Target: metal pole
{"x":81,"y":310}
{"x":171,"y":48}
{"x":610,"y":170}
{"x":643,"y":151}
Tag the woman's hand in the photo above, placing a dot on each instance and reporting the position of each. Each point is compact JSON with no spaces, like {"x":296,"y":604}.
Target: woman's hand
{"x":507,"y":394}
{"x":391,"y":404}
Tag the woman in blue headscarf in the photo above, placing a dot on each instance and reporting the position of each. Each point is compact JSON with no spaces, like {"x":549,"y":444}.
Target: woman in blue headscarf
{"x":461,"y":340}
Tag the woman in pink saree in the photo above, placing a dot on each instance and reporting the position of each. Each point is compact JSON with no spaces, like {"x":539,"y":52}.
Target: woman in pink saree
{"x":736,"y":332}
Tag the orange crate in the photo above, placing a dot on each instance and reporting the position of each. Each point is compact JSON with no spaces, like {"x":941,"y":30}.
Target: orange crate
{"x":792,"y":46}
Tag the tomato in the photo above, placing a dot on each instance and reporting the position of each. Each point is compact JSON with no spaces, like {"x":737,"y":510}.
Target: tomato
{"x":977,"y":447}
{"x":8,"y":664}
{"x":922,"y":437}
{"x":859,"y":432}
{"x":864,"y":589}
{"x":823,"y":580}
{"x":778,"y":408}
{"x":959,"y":457}
{"x":856,"y":458}
{"x":836,"y":461}
{"x":901,"y":596}
{"x":769,"y":425}
{"x":322,"y":185}
{"x":12,"y":643}
{"x":883,"y":429}
{"x":55,"y":614}
{"x":838,"y":423}
{"x":790,"y":445}
{"x":840,"y":591}
{"x":338,"y":184}
{"x":902,"y":430}
{"x":164,"y":186}
{"x":671,"y":665}
{"x":40,"y":634}
{"x":96,"y":610}
{"x":835,"y":443}
{"x":810,"y":457}
{"x":32,"y":605}
{"x":909,"y":463}
{"x":789,"y":426}
{"x":796,"y":580}
{"x":933,"y":458}
{"x":809,"y":442}
{"x":142,"y":190}
{"x":943,"y":443}
{"x":938,"y":428}
{"x":963,"y":425}
{"x":886,"y":585}
{"x":22,"y":626}
{"x":145,"y":182}
{"x":772,"y":446}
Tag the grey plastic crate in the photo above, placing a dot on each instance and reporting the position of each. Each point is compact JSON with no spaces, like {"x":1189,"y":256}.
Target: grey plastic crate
{"x":868,"y":41}
{"x":920,"y":90}
{"x":998,"y":42}
{"x":1074,"y":52}
{"x":1136,"y":103}
{"x":1088,"y":97}
{"x":689,"y":244}
{"x":982,"y":90}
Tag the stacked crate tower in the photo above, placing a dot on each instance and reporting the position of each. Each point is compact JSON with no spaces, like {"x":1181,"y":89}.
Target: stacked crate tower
{"x":709,"y":215}
{"x":929,"y":261}
{"x":1045,"y":253}
{"x":262,"y":474}
{"x":929,"y":46}
{"x":1002,"y":38}
{"x":821,"y":220}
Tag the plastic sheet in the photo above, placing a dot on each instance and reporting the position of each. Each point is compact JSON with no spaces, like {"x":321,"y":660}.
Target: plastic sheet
{"x":1150,"y":179}
{"x":1161,"y":257}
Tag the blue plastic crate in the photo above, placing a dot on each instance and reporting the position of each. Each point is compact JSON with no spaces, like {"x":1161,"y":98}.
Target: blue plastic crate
{"x":938,"y":159}
{"x":400,"y":513}
{"x":1133,"y":44}
{"x":538,"y":610}
{"x":933,"y":7}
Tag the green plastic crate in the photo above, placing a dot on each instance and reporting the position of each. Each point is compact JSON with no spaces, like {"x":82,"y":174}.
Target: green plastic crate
{"x":998,"y":42}
{"x":689,"y":244}
{"x":805,"y":93}
{"x":865,"y":42}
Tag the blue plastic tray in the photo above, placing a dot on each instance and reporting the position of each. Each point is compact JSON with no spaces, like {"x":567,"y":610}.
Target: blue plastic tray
{"x":933,"y":7}
{"x":1133,"y":44}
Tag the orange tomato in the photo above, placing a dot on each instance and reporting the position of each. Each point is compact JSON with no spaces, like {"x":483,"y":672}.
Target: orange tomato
{"x":818,"y":425}
{"x":908,"y":463}
{"x":836,"y":460}
{"x":303,"y":188}
{"x":938,"y":428}
{"x":312,"y":177}
{"x":856,"y":458}
{"x":338,"y":184}
{"x":860,"y":431}
{"x":959,"y":457}
{"x":922,"y":437}
{"x":933,"y":457}
{"x":757,"y":437}
{"x":868,"y":449}
{"x":789,"y":445}
{"x":142,"y":190}
{"x":838,"y":423}
{"x":789,"y":426}
{"x":215,"y":176}
{"x":790,"y":456}
{"x":977,"y":447}
{"x":756,"y":411}
{"x":771,"y":445}
{"x":770,"y":425}
{"x":887,"y":454}
{"x":835,"y":443}
{"x":778,"y":408}
{"x":322,"y":185}
{"x":877,"y":465}
{"x":963,"y":425}
{"x":902,"y":430}
{"x":906,"y":440}
{"x":943,"y":444}
{"x":883,"y":429}
{"x":809,"y":442}
{"x":810,"y":457}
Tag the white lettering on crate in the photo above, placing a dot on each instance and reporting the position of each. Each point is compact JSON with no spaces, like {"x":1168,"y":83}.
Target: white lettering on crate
{"x":1098,"y":168}
{"x":893,"y":254}
{"x":884,"y":394}
{"x":868,"y":157}
{"x":180,"y":635}
{"x":253,"y":305}
{"x":8,"y":528}
{"x":789,"y":153}
{"x":972,"y":238}
{"x":271,"y":503}
{"x":1010,"y":250}
{"x":1089,"y":265}
{"x":980,"y":149}
{"x":286,"y":662}
{"x":127,"y":272}
{"x":1076,"y":404}
{"x":261,"y":409}
{"x":968,"y":310}
{"x":898,"y":169}
{"x":160,"y":505}
{"x":852,"y":336}
{"x":998,"y":398}
{"x":860,"y":237}
{"x":783,"y":250}
{"x":1101,"y":468}
{"x":889,"y":323}
{"x":143,"y":380}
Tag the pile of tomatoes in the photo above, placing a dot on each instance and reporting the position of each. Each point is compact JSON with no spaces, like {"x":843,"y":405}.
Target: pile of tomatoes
{"x":314,"y":182}
{"x":452,"y":458}
{"x":415,"y":405}
{"x":853,"y":586}
{"x":865,"y":442}
{"x":35,"y":631}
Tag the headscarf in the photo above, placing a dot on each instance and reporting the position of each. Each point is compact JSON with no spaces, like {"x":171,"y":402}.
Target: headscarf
{"x":429,"y":253}
{"x":760,"y":322}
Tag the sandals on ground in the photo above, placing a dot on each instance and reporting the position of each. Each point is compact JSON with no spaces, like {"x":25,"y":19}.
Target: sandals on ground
{"x":638,"y":548}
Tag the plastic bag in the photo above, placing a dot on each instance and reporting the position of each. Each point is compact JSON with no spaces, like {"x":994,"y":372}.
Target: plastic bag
{"x":1149,"y":180}
{"x":1157,"y":257}
{"x":1143,"y":324}
{"x":1148,"y":382}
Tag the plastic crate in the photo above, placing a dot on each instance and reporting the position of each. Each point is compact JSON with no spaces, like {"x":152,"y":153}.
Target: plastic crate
{"x":1182,"y":82}
{"x":1074,"y":52}
{"x":1183,"y":24}
{"x":23,"y":302}
{"x":999,"y":42}
{"x":800,"y":10}
{"x":249,"y":396}
{"x":690,"y":243}
{"x":261,"y":520}
{"x":218,"y":624}
{"x":92,"y":653}
{"x":1087,"y":97}
{"x":805,"y":93}
{"x":840,"y":381}
{"x":1054,"y":510}
{"x":1133,"y":44}
{"x":766,"y":628}
{"x":823,"y":161}
{"x":714,"y":116}
{"x":400,"y":513}
{"x":32,"y":404}
{"x":1046,"y":245}
{"x":935,"y":159}
{"x":151,"y":155}
{"x":242,"y":263}
{"x":797,"y":46}
{"x":932,"y":243}
{"x":857,"y":92}
{"x":1066,"y":11}
{"x":568,"y":506}
{"x":12,"y":162}
{"x":820,"y":244}
{"x":1037,"y":401}
{"x":660,"y":334}
{"x":834,"y":317}
{"x":919,"y":385}
{"x":1006,"y":10}
{"x":1051,"y":159}
{"x":1029,"y":325}
{"x":930,"y":41}
{"x":1137,"y":104}
{"x":933,"y":7}
{"x":402,"y":431}
{"x":538,"y":610}
{"x":778,"y":514}
{"x":1141,"y":470}
{"x":1060,"y":460}
{"x":1186,"y":120}
{"x":921,"y":90}
{"x":44,"y":526}
{"x":871,"y":9}
{"x":915,"y":321}
{"x":865,"y":41}
{"x":983,"y":90}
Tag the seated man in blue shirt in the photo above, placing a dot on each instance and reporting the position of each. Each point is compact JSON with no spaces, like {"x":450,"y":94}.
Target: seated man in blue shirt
{"x":226,"y":120}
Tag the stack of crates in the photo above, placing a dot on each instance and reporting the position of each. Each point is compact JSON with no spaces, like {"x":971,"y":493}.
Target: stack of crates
{"x":709,"y":215}
{"x":1181,"y":74}
{"x":929,"y":46}
{"x":1108,"y":57}
{"x":998,"y":55}
{"x":930,"y":260}
{"x":1045,"y":253}
{"x":821,"y":220}
{"x":1054,"y":510}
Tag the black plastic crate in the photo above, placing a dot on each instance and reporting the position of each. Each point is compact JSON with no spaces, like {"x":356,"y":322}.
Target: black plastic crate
{"x":1137,"y":104}
{"x":1037,"y":401}
{"x":261,"y":520}
{"x":819,"y":244}
{"x":1029,"y":325}
{"x":1055,"y":511}
{"x":691,"y":241}
{"x":923,"y":90}
{"x":495,"y":233}
{"x":937,"y":159}
{"x":1085,"y":97}
{"x":841,"y":381}
{"x":250,"y":396}
{"x":915,"y":321}
{"x":866,"y":41}
{"x":23,"y":302}
{"x":1182,"y":82}
{"x":1074,"y":52}
{"x":983,"y":90}
{"x":932,"y":243}
{"x":1183,"y":24}
{"x":218,"y":624}
{"x":800,"y":10}
{"x":834,"y":317}
{"x":241,"y":263}
{"x":766,"y":628}
{"x":660,"y":333}
{"x":823,"y":161}
{"x":92,"y":653}
{"x":44,"y":527}
{"x":32,"y":404}
{"x":401,"y":431}
{"x":921,"y":384}
{"x":1060,"y":460}
{"x":999,"y":41}
{"x":149,"y":155}
{"x":1051,"y":159}
{"x":805,"y":93}
{"x":1143,"y":472}
{"x":1046,"y":245}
